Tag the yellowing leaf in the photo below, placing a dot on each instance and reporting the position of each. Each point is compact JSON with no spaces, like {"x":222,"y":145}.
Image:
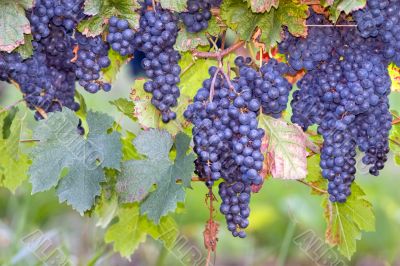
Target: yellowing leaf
{"x":394,"y":73}
{"x":287,"y":145}
{"x":345,"y":221}
{"x":260,"y":6}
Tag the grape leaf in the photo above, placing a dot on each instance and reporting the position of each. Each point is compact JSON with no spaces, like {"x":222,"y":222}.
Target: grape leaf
{"x":314,"y":176}
{"x":174,"y":5}
{"x":13,"y":23}
{"x":125,"y":106}
{"x":336,"y":7}
{"x":92,"y":7}
{"x":260,"y":6}
{"x":132,"y":229}
{"x":195,"y":72}
{"x":60,"y":144}
{"x":106,"y":210}
{"x":349,"y":6}
{"x":287,"y":144}
{"x":138,"y":176}
{"x":117,"y":62}
{"x":394,"y":73}
{"x":149,"y":117}
{"x":188,"y":41}
{"x":394,"y":142}
{"x":239,"y":17}
{"x":26,"y":49}
{"x":345,"y":221}
{"x":102,"y":10}
{"x":14,"y":163}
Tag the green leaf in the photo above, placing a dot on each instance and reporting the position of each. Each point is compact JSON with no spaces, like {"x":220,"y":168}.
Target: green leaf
{"x":345,"y":221}
{"x":260,"y":6}
{"x":287,"y":145}
{"x":92,"y":7}
{"x":149,"y":117}
{"x":128,"y":150}
{"x":106,"y":210}
{"x":174,"y":5}
{"x":60,"y":144}
{"x":14,"y":163}
{"x":102,"y":10}
{"x":349,"y":6}
{"x":83,"y":107}
{"x":187,"y":41}
{"x":132,"y":229}
{"x":93,"y":26}
{"x":125,"y":106}
{"x":314,"y":176}
{"x":239,"y":17}
{"x":394,"y":142}
{"x":338,"y":6}
{"x":26,"y":49}
{"x":137,"y":177}
{"x":196,"y":71}
{"x":117,"y":62}
{"x":13,"y":24}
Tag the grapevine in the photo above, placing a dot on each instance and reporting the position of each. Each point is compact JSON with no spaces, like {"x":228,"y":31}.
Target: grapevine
{"x":231,"y":94}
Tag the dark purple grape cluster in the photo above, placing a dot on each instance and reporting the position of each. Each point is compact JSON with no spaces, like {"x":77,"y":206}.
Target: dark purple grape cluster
{"x":92,"y":57}
{"x":227,"y":139}
{"x":216,"y":123}
{"x":198,"y":14}
{"x":121,"y":37}
{"x":308,"y":52}
{"x":156,"y":38}
{"x":235,"y":195}
{"x":346,"y":94}
{"x":381,"y":20}
{"x":274,"y":90}
{"x":65,"y":13}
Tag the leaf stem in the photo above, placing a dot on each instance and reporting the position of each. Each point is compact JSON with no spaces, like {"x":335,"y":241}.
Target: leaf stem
{"x":11,"y":106}
{"x":219,"y":54}
{"x":313,"y":187}
{"x":28,"y":140}
{"x":394,"y":141}
{"x":396,"y":121}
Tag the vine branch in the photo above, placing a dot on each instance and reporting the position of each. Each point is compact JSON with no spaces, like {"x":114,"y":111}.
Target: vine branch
{"x":219,"y":54}
{"x":396,"y":121}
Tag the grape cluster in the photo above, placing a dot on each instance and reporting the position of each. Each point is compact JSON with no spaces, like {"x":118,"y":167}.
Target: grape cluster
{"x":121,"y":37}
{"x":346,"y":94}
{"x":235,"y":196}
{"x":47,"y":79}
{"x":65,"y":13}
{"x":226,"y":136}
{"x":216,"y":132}
{"x":381,"y":19}
{"x":308,"y":52}
{"x":274,"y":89}
{"x":156,"y":38}
{"x":198,"y":14}
{"x":91,"y":58}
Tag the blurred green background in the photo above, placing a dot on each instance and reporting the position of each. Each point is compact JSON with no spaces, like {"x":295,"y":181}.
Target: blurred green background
{"x":282,"y":212}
